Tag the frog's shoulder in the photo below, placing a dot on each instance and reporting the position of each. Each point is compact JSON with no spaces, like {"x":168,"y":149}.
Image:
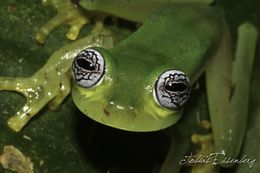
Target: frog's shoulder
{"x":179,"y":23}
{"x":187,"y":14}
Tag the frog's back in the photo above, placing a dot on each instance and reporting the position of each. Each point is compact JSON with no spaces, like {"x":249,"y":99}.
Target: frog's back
{"x":178,"y":36}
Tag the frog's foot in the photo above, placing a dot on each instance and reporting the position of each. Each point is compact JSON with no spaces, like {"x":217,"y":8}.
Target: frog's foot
{"x":205,"y":160}
{"x":67,"y":12}
{"x":64,"y":90}
{"x":38,"y":90}
{"x":205,"y":155}
{"x":71,"y":14}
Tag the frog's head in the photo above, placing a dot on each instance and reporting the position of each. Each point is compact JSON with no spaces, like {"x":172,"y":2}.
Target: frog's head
{"x":124,"y":94}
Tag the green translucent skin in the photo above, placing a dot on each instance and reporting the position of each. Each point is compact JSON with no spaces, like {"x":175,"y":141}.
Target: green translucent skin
{"x":51,"y":84}
{"x":125,"y":98}
{"x":191,"y":37}
{"x":133,"y":10}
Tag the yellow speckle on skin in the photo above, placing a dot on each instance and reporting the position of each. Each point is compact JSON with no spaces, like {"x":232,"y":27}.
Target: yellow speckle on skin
{"x":13,"y":159}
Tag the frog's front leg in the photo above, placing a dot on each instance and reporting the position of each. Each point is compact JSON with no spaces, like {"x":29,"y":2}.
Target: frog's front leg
{"x":75,"y":16}
{"x":38,"y":90}
{"x":51,"y":84}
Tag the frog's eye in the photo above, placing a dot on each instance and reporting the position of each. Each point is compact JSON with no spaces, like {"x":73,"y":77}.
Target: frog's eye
{"x":172,"y":89}
{"x":88,"y":68}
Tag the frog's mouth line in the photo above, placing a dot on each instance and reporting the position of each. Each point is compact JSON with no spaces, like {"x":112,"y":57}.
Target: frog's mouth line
{"x":144,"y":120}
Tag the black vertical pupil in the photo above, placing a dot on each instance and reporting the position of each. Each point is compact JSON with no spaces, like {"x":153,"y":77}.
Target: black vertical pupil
{"x":175,"y":87}
{"x":85,"y":64}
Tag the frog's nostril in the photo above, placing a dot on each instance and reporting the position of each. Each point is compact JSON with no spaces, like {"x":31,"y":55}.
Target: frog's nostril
{"x":106,"y":111}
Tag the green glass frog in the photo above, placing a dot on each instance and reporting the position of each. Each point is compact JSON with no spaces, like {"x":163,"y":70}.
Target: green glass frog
{"x":143,"y":82}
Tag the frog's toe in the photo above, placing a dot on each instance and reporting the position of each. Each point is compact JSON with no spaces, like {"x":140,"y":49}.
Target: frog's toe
{"x":98,"y":27}
{"x":75,"y":27}
{"x":99,"y":23}
{"x":18,"y":121}
{"x":205,"y":151}
{"x":46,"y":29}
{"x":201,"y":139}
{"x":12,"y":84}
{"x":62,"y":93}
{"x":41,"y":37}
{"x":67,"y":13}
